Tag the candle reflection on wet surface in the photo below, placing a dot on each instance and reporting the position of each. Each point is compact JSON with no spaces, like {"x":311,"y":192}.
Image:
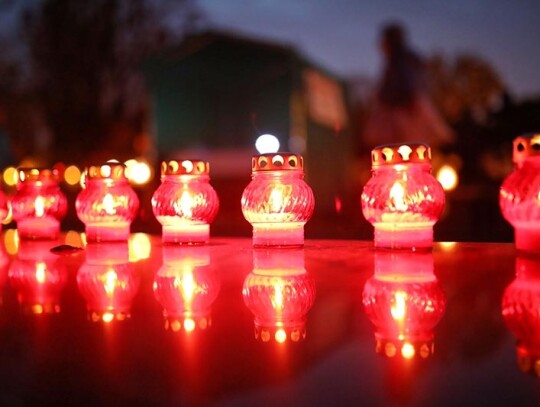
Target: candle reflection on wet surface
{"x":67,"y":359}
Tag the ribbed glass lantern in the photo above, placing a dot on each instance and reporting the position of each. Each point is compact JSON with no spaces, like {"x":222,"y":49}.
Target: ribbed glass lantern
{"x":185,"y":203}
{"x":107,"y":205}
{"x":38,"y":205}
{"x":519,"y":196}
{"x":278,"y":202}
{"x":402,"y":200}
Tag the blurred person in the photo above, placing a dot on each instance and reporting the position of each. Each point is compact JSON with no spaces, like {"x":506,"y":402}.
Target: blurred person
{"x":402,"y":110}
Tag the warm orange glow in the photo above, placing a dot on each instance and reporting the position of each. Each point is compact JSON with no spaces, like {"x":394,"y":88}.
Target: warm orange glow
{"x":74,"y":238}
{"x":448,"y":177}
{"x":72,"y":175}
{"x":108,"y":204}
{"x":407,"y":351}
{"x":276,"y":199}
{"x":399,"y":306}
{"x":11,"y":176}
{"x":184,"y":205}
{"x":41,"y":272}
{"x":107,"y":317}
{"x":138,"y":172}
{"x":11,"y":241}
{"x":9,"y":216}
{"x":39,"y":206}
{"x":280,"y":335}
{"x":187,"y":286}
{"x":397,"y":195}
{"x":140,"y":247}
{"x":37,"y":309}
{"x":189,"y":325}
{"x":110,"y":280}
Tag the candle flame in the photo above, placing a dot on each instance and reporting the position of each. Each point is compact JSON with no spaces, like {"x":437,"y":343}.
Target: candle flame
{"x":110,"y":280}
{"x":41,"y":272}
{"x":397,"y":196}
{"x":184,"y":205}
{"x":276,"y":199}
{"x":399,"y":307}
{"x":39,"y":206}
{"x":187,"y":286}
{"x":108,"y":204}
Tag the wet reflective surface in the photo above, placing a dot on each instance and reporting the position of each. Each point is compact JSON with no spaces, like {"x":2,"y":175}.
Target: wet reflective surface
{"x":334,"y":323}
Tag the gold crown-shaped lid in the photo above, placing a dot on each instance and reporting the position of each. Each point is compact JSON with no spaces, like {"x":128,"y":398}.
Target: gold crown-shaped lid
{"x":109,"y":170}
{"x":185,"y":167}
{"x":277,"y":161}
{"x":37,"y":174}
{"x":526,"y":146}
{"x":400,"y":154}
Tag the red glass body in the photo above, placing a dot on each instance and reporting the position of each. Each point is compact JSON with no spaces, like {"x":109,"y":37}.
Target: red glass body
{"x":404,"y":302}
{"x":4,"y":208}
{"x":519,"y":200}
{"x":38,"y":205}
{"x":185,"y":203}
{"x":520,"y":310}
{"x":186,"y":287}
{"x":277,"y":202}
{"x":107,"y":205}
{"x":39,"y":278}
{"x":403,"y":202}
{"x":279,"y":292}
{"x":108,"y":282}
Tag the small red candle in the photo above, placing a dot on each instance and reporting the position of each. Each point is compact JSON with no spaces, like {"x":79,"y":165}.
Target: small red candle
{"x":38,"y":276}
{"x":185,"y":203}
{"x":279,"y":292}
{"x":520,"y":305}
{"x":402,"y":200}
{"x":107,"y":205}
{"x":404,"y":302}
{"x":108,"y":282}
{"x":186,"y":287}
{"x":39,"y":204}
{"x":278,"y":202}
{"x":519,"y":196}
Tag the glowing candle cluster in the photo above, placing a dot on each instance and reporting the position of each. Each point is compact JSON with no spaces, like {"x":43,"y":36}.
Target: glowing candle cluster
{"x":402,"y":200}
{"x":519,"y":196}
{"x":278,"y":202}
{"x":186,"y":287}
{"x":39,"y":204}
{"x":279,"y":292}
{"x":107,"y":205}
{"x":185,"y":203}
{"x":520,"y":305}
{"x":404,"y":301}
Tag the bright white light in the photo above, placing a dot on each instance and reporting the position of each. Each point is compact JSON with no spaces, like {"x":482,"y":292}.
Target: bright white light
{"x":448,"y":177}
{"x":267,"y":144}
{"x":138,"y":172}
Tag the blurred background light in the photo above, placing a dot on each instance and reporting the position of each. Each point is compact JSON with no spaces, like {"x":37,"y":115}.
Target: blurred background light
{"x":267,"y":143}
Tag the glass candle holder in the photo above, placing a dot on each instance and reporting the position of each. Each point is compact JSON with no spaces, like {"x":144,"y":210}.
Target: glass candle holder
{"x":107,"y":205}
{"x":278,"y":202}
{"x":4,"y":208}
{"x":108,"y":282}
{"x":404,"y":302}
{"x":519,"y":196}
{"x":39,"y":204}
{"x":186,"y":287}
{"x":39,"y":277}
{"x":520,"y":305}
{"x":279,"y":292}
{"x":185,"y":203}
{"x":402,"y":200}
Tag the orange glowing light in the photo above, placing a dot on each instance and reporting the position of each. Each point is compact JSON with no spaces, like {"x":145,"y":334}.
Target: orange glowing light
{"x":189,"y":325}
{"x":276,"y":199}
{"x":11,"y":176}
{"x":138,"y":171}
{"x":407,"y":351}
{"x":399,"y":307}
{"x":139,"y":246}
{"x":448,"y":177}
{"x":41,"y":272}
{"x":397,"y":196}
{"x":11,"y":241}
{"x":72,"y":175}
{"x":108,"y":204}
{"x":107,"y":317}
{"x":280,"y":336}
{"x":39,"y":206}
{"x":74,"y":238}
{"x":110,"y":282}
